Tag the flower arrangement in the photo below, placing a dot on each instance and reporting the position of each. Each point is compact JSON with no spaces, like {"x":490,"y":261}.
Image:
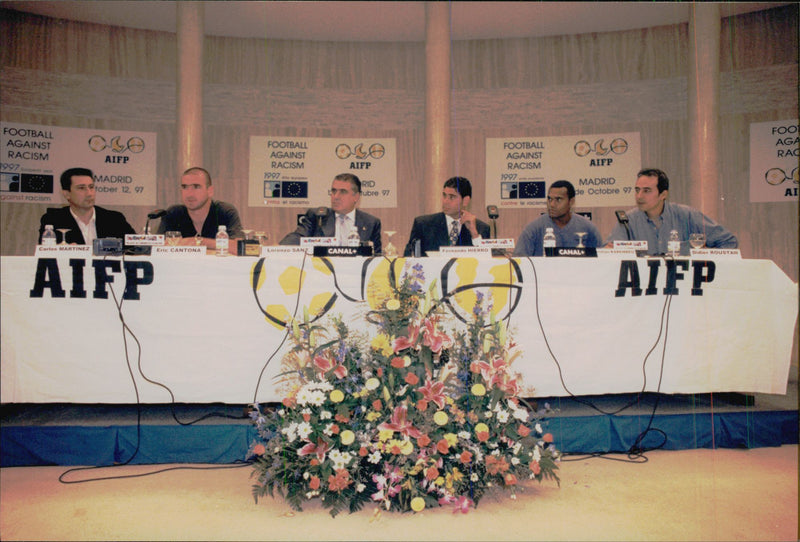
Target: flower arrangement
{"x":421,"y":417}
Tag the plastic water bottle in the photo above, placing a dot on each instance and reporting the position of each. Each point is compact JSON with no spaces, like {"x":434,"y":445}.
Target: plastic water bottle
{"x":353,"y":240}
{"x":49,"y":236}
{"x":674,"y":244}
{"x":549,"y":240}
{"x":222,"y":241}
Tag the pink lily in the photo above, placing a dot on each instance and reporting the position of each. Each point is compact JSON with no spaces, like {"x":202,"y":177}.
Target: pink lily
{"x":433,"y":338}
{"x":325,"y":364}
{"x":320,"y":448}
{"x":433,"y":392}
{"x":401,"y":343}
{"x":400,"y":423}
{"x":462,"y":505}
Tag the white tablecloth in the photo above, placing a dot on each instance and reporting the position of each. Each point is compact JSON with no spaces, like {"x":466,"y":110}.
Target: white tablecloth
{"x":204,"y":336}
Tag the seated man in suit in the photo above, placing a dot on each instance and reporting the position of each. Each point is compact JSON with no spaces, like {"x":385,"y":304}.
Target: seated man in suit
{"x":82,"y":217}
{"x":200,"y":216}
{"x":345,"y":218}
{"x":454,"y":226}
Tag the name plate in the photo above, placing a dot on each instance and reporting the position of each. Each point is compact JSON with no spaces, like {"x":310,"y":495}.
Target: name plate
{"x":616,"y":253}
{"x":715,"y":253}
{"x":59,"y":250}
{"x":343,"y":251}
{"x":635,"y":245}
{"x":571,"y":252}
{"x":465,"y":252}
{"x":144,"y":240}
{"x":286,"y":249}
{"x":317,"y":241}
{"x":179,"y":251}
{"x":494,"y":243}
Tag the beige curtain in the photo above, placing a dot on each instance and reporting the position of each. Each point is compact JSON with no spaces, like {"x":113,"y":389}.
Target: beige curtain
{"x":83,"y":75}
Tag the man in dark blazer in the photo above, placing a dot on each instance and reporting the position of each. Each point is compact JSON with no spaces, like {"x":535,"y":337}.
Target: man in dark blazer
{"x":454,"y":226}
{"x":85,"y":220}
{"x":340,"y":218}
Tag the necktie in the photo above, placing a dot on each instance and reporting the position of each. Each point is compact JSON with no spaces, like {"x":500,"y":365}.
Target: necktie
{"x":454,"y":228}
{"x":341,"y":233}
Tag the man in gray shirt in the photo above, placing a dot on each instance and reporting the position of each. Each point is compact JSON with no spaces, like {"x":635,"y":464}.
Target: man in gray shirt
{"x":655,"y":217}
{"x":566,"y":224}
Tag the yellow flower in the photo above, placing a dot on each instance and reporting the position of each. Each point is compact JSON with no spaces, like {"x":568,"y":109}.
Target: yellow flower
{"x":479,"y":390}
{"x":372,"y":416}
{"x":440,"y":417}
{"x":382,"y":344}
{"x":385,"y":434}
{"x":372,"y":383}
{"x":337,"y":396}
{"x":451,"y":439}
{"x":481,"y":428}
{"x":417,"y":504}
{"x":347,"y":437}
{"x":393,"y":304}
{"x":439,"y":481}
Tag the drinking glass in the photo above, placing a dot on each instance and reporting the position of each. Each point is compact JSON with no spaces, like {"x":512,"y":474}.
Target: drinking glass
{"x":581,"y":235}
{"x":263,"y":238}
{"x":173,"y":237}
{"x":697,"y":240}
{"x":390,"y":251}
{"x":63,"y":235}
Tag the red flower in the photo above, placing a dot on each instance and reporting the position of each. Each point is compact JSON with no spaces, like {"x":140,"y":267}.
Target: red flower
{"x":306,"y":416}
{"x":377,"y":405}
{"x":466,"y":457}
{"x":289,"y":402}
{"x":442,"y":446}
{"x":431,"y":473}
{"x":259,"y":449}
{"x":340,"y":481}
{"x":495,"y":465}
{"x":510,"y":479}
{"x":400,"y":423}
{"x":422,"y":405}
{"x":535,"y":468}
{"x":335,"y":429}
{"x":313,"y":483}
{"x":523,"y":430}
{"x":547,"y":437}
{"x":412,"y":379}
{"x":483,"y":436}
{"x":341,"y":418}
{"x":397,"y":362}
{"x":363,"y":452}
{"x":423,"y":440}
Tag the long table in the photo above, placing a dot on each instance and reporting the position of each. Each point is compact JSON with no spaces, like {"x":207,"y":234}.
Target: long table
{"x":208,"y":329}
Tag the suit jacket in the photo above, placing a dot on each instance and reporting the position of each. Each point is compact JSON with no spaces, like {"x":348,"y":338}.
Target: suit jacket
{"x":369,"y":228}
{"x":108,"y":223}
{"x":432,"y":232}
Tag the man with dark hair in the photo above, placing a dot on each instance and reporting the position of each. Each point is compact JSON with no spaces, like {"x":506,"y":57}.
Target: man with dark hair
{"x":655,"y":217}
{"x":341,"y":219}
{"x":82,"y":217}
{"x":565,"y":224}
{"x":454,"y":226}
{"x":200,"y":216}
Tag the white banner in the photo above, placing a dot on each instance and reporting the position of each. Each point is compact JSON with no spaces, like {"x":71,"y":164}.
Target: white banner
{"x":602,"y":167}
{"x":123,"y":163}
{"x":297,"y":171}
{"x":774,"y":154}
{"x":583,"y":325}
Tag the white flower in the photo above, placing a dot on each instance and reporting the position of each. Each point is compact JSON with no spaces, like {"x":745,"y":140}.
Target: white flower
{"x":360,"y":488}
{"x":306,"y":475}
{"x":317,"y":397}
{"x":538,"y":428}
{"x":537,"y":455}
{"x":464,"y":435}
{"x":515,"y":461}
{"x":325,"y":415}
{"x":487,"y":414}
{"x":521,"y":414}
{"x":303,"y":396}
{"x":474,"y":477}
{"x":328,"y":430}
{"x":339,"y":459}
{"x":374,"y":457}
{"x":502,"y":416}
{"x":290,"y":431}
{"x":304,"y":430}
{"x":517,"y":447}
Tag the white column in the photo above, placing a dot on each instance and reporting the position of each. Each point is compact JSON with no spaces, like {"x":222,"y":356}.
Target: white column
{"x":190,"y":85}
{"x":438,"y":162}
{"x":703,"y":103}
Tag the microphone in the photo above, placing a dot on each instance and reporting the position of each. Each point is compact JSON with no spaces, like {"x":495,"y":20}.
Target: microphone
{"x":494,"y":214}
{"x":158,"y":213}
{"x":622,"y":218}
{"x":321,"y":213}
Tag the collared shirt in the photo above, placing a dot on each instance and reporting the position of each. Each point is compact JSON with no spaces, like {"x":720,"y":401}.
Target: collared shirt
{"x":89,"y":231}
{"x":675,"y":216}
{"x":349,"y":225}
{"x":531,"y":240}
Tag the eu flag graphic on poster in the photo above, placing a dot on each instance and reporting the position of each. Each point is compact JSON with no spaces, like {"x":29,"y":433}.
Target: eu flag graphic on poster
{"x":531,"y":189}
{"x":36,"y":183}
{"x":294,"y":189}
